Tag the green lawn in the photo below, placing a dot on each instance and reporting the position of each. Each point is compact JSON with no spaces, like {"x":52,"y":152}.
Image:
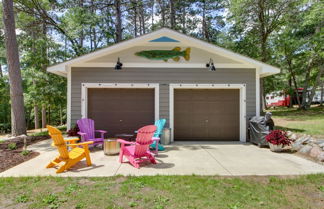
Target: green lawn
{"x":307,"y":122}
{"x":163,"y":192}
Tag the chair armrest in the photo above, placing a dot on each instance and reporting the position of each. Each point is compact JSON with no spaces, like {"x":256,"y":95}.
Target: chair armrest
{"x":156,"y":139}
{"x":101,"y":131}
{"x":71,"y":140}
{"x":81,"y":133}
{"x":122,"y":141}
{"x":81,"y":144}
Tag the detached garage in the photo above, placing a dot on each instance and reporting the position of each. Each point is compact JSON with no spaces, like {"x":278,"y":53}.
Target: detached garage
{"x":205,"y":92}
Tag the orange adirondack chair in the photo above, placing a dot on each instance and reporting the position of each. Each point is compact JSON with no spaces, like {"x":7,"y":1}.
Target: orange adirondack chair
{"x":69,"y":157}
{"x":138,"y":151}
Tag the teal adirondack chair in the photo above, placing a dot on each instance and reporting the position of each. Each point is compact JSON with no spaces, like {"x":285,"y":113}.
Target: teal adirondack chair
{"x":160,"y":125}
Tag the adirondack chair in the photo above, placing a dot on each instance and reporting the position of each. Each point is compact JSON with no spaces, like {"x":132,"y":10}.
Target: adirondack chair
{"x":70,"y":158}
{"x":156,"y":138}
{"x":139,"y":151}
{"x":87,"y":131}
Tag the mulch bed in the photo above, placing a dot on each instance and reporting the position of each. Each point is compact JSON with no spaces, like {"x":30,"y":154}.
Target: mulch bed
{"x":10,"y":158}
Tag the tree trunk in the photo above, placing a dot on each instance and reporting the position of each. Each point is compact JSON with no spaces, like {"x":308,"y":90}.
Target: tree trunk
{"x":153,"y":3}
{"x":36,"y":116}
{"x":49,"y":115}
{"x":1,"y":73}
{"x":43,"y":116}
{"x":293,"y":76}
{"x":142,"y":18}
{"x":172,"y":14}
{"x":162,"y":7}
{"x":290,"y":94}
{"x":81,"y":37}
{"x":317,"y":82}
{"x":61,"y":115}
{"x":134,"y":5}
{"x":322,"y":93}
{"x":204,"y":22}
{"x":306,"y":84}
{"x":18,"y":121}
{"x":118,"y":24}
{"x":184,"y":14}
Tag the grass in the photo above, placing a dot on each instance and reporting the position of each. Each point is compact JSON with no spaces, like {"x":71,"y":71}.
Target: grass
{"x":160,"y":192}
{"x":307,"y":122}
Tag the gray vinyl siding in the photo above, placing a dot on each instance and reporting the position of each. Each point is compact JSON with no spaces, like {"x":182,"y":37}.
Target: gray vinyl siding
{"x":163,"y":76}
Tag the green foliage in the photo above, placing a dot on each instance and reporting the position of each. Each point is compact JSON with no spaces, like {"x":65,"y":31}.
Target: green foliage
{"x":12,"y":146}
{"x":25,"y":152}
{"x":22,"y":198}
{"x":5,"y":127}
{"x":321,"y":188}
{"x":167,"y":192}
{"x":53,"y":201}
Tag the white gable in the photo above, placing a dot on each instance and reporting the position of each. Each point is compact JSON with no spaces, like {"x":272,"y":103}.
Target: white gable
{"x":164,"y":39}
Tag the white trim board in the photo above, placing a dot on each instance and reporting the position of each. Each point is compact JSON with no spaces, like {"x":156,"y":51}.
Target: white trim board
{"x":86,"y":86}
{"x":241,"y":87}
{"x":68,"y":104}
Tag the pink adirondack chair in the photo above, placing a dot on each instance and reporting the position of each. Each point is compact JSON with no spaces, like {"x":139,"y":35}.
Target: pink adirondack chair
{"x":139,"y":151}
{"x":87,"y":131}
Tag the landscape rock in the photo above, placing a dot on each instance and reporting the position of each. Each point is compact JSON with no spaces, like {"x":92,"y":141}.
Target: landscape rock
{"x":303,"y":140}
{"x":320,"y":157}
{"x":315,"y":151}
{"x":306,"y":149}
{"x":296,"y":146}
{"x":289,"y":133}
{"x":321,"y":144}
{"x":293,"y":137}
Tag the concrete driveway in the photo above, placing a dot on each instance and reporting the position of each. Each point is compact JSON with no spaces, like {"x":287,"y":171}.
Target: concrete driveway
{"x":187,"y":158}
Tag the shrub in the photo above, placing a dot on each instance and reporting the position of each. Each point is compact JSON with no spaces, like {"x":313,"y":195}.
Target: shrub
{"x":12,"y":146}
{"x":25,"y":152}
{"x":278,"y":137}
{"x":22,"y":198}
{"x":73,"y":131}
{"x":5,"y":127}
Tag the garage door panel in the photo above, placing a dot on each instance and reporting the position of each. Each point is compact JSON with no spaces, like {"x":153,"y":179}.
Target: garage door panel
{"x":121,"y":110}
{"x":206,"y":114}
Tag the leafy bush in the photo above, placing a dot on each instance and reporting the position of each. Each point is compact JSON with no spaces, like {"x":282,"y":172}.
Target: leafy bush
{"x":22,"y":198}
{"x":12,"y":146}
{"x":73,"y":131}
{"x":25,"y":152}
{"x":278,"y":137}
{"x":52,"y":200}
{"x":5,"y":127}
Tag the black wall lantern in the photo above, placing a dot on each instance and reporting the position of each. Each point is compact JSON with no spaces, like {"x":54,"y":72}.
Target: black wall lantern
{"x":118,"y":65}
{"x":210,"y":65}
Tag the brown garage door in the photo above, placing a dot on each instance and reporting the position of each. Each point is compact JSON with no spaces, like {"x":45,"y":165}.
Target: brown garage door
{"x":121,"y":110}
{"x":206,"y":114}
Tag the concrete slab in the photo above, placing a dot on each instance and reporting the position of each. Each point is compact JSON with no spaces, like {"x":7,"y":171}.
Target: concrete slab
{"x":185,"y":158}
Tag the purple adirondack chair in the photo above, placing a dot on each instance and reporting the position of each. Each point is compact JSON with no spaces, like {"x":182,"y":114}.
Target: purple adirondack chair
{"x":87,"y":131}
{"x":138,"y":151}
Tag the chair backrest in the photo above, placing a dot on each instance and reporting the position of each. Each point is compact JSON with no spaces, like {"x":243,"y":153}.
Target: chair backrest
{"x":59,"y":142}
{"x":86,"y":125}
{"x":144,"y":139}
{"x":159,"y":127}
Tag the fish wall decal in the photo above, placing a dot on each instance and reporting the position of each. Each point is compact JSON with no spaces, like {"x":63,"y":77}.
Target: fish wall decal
{"x":174,"y":54}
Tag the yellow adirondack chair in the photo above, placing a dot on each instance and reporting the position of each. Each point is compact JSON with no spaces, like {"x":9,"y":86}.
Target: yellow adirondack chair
{"x":69,"y":157}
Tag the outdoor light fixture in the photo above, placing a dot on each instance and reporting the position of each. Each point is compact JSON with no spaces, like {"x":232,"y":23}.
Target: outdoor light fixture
{"x":210,"y":65}
{"x":118,"y":65}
